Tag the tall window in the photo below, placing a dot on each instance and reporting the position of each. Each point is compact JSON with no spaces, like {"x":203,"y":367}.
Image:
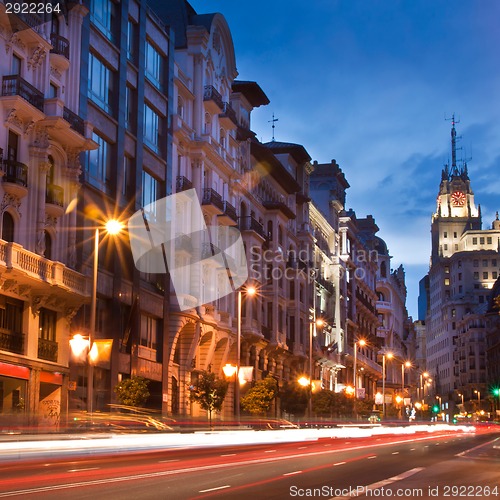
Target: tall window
{"x":99,"y":163}
{"x":130,"y":109}
{"x":100,"y":83}
{"x":149,"y":331}
{"x":154,"y":65}
{"x":131,"y":40}
{"x":47,"y":324}
{"x":48,"y":246}
{"x":149,"y":189}
{"x":103,"y":13}
{"x":127,"y":176}
{"x":151,"y":128}
{"x":7,"y":227}
{"x":16,"y":65}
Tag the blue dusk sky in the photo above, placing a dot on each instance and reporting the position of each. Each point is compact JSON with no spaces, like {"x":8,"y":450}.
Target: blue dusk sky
{"x":369,"y":83}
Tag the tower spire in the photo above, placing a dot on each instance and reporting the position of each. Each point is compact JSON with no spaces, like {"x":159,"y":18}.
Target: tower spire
{"x":273,"y":121}
{"x":454,"y":168}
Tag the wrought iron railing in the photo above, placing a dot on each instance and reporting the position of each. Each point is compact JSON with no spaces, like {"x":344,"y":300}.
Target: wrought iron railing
{"x":54,"y":195}
{"x":212,"y":197}
{"x":75,"y":122}
{"x":211,"y":94}
{"x":15,"y":172}
{"x":15,"y":85}
{"x":11,"y":341}
{"x":47,"y":349}
{"x":60,"y":45}
{"x":183,"y":184}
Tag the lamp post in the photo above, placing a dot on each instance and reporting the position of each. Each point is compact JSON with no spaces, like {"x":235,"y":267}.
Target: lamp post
{"x":361,"y":343}
{"x":389,"y":356}
{"x":406,"y":364}
{"x":112,"y":227}
{"x":422,"y":389}
{"x":250,"y":291}
{"x":478,"y":398}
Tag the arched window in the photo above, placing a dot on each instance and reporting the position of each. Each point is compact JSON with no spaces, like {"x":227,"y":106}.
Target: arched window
{"x":54,"y":24}
{"x":7,"y":227}
{"x":381,"y":297}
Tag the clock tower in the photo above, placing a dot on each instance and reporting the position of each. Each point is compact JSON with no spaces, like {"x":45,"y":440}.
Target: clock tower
{"x":456,"y":211}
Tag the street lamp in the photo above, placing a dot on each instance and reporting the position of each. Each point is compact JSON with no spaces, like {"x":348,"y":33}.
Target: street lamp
{"x":406,"y":364}
{"x":422,"y":389}
{"x":389,"y":355}
{"x":112,"y":227}
{"x":312,"y":333}
{"x":250,"y":291}
{"x":361,"y":343}
{"x":478,"y":398}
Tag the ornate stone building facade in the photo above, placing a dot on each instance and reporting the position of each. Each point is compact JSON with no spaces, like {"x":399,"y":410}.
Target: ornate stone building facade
{"x":41,"y":138}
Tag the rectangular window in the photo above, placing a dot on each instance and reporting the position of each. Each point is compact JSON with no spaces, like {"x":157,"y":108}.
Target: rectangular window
{"x":127,"y":176}
{"x":481,"y":241}
{"x":47,"y":324}
{"x":100,"y":83}
{"x":103,"y":14}
{"x":485,"y":263}
{"x":460,"y":288}
{"x":459,"y":276}
{"x":474,"y":241}
{"x":16,"y":65}
{"x":476,"y":275}
{"x":99,"y":163}
{"x":151,"y":128}
{"x":154,"y":66}
{"x":130,"y":109}
{"x":53,"y":91}
{"x":494,"y":262}
{"x":447,"y":281}
{"x":454,"y":234}
{"x":446,"y":246}
{"x":494,"y":275}
{"x":149,"y":331}
{"x":149,"y":189}
{"x":475,"y":263}
{"x":489,"y":240}
{"x":131,"y":40}
{"x":485,"y":275}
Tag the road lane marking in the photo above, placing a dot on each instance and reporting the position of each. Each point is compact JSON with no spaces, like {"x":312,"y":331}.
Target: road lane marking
{"x":381,"y":484}
{"x":292,"y":473}
{"x":167,"y":461}
{"x":86,"y":468}
{"x":229,"y":455}
{"x":302,"y":447}
{"x":151,"y":475}
{"x":395,"y":452}
{"x":215,"y":489}
{"x":269,"y":451}
{"x":339,"y":463}
{"x":372,"y":457}
{"x":463,"y":453}
{"x":412,"y":449}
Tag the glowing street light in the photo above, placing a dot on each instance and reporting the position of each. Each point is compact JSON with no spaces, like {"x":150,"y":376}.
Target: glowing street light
{"x":250,"y":291}
{"x":361,"y":343}
{"x":112,"y":227}
{"x":389,"y":355}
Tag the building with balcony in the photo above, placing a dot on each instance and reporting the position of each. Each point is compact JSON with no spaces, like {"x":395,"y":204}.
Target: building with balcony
{"x":41,"y":138}
{"x":126,"y":92}
{"x":464,"y":267}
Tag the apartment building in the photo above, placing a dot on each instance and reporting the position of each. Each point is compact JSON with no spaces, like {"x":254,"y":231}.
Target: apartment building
{"x":41,"y":139}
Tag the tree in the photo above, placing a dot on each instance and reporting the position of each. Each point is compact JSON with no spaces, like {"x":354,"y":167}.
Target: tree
{"x":259,"y":398}
{"x":293,"y":399}
{"x":132,"y":391}
{"x":209,"y":393}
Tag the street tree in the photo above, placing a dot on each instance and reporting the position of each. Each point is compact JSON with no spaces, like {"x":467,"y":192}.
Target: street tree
{"x":132,"y":391}
{"x":259,"y":398}
{"x":209,"y":393}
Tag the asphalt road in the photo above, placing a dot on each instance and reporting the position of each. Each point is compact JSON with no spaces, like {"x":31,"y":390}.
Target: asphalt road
{"x":442,"y":465}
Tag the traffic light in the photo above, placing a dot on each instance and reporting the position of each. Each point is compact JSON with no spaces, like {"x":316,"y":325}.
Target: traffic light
{"x":435,"y":408}
{"x":496,"y":391}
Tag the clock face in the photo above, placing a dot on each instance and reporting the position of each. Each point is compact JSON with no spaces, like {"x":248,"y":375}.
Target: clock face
{"x":458,"y":199}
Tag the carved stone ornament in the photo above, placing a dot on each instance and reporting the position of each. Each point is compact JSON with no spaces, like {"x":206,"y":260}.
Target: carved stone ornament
{"x":13,"y":119}
{"x":15,"y":41}
{"x":55,"y":72}
{"x":9,"y":200}
{"x":51,"y":221}
{"x":41,"y":137}
{"x":216,"y":41}
{"x":36,"y":304}
{"x":29,"y":127}
{"x":37,"y":57}
{"x":70,"y":312}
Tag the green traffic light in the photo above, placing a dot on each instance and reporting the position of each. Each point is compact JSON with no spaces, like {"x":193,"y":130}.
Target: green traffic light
{"x":496,"y":391}
{"x":435,"y":408}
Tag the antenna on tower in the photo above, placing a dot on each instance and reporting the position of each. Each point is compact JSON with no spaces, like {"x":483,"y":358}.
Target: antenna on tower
{"x":454,"y":169}
{"x":273,"y":124}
